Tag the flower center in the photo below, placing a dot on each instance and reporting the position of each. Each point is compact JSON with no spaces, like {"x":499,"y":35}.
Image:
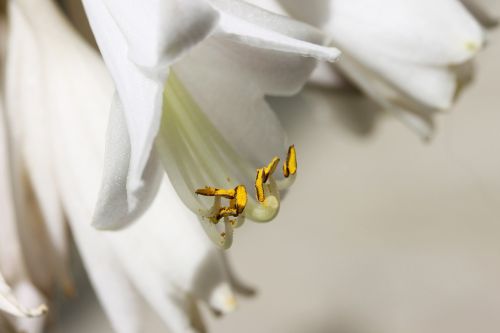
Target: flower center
{"x":209,"y":175}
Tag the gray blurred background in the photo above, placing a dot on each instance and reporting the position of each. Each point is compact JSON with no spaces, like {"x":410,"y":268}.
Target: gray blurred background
{"x":381,"y":232}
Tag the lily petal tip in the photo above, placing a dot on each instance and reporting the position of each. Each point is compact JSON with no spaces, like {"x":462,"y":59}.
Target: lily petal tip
{"x":223,"y":299}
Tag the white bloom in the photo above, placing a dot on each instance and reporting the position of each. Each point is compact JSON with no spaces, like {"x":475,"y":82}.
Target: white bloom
{"x":165,"y":259}
{"x":215,"y":60}
{"x":409,"y":56}
{"x":33,"y":243}
{"x":15,"y":302}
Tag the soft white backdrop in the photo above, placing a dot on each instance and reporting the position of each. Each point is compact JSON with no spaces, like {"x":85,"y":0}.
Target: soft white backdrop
{"x":381,"y":233}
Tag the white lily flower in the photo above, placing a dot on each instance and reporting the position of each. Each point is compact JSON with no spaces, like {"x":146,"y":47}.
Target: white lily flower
{"x":191,"y":77}
{"x":165,"y":259}
{"x":409,"y":56}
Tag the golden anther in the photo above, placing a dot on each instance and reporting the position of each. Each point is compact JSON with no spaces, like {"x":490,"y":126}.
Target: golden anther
{"x":290,"y":165}
{"x":226,"y":211}
{"x":262,"y":177}
{"x":238,"y":200}
{"x":259,"y":185}
{"x":270,"y":168}
{"x":216,"y":192}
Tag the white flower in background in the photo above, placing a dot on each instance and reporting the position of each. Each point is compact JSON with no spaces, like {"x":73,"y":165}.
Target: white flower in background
{"x":33,"y":242}
{"x":412,"y":57}
{"x":191,"y":78}
{"x":17,"y":302}
{"x":57,"y":86}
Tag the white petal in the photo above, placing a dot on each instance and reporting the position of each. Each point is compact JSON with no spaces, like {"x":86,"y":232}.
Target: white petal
{"x":257,"y":27}
{"x":115,"y":208}
{"x":11,"y":305}
{"x":417,"y":117}
{"x":159,"y":31}
{"x":39,"y":214}
{"x":433,"y":86}
{"x":29,"y":296}
{"x":366,"y":27}
{"x":59,"y":51}
{"x":138,"y":41}
{"x":233,"y":101}
{"x":11,"y":260}
{"x":314,"y":12}
{"x":165,"y":278}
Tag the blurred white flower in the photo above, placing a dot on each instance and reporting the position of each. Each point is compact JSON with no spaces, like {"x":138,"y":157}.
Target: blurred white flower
{"x":33,"y":242}
{"x":412,"y":57}
{"x":191,"y":76}
{"x":17,"y":302}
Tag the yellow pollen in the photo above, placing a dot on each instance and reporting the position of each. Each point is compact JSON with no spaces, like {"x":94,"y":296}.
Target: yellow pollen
{"x":270,"y":168}
{"x":215,"y":192}
{"x":259,"y":185}
{"x":238,"y":200}
{"x":263,"y":175}
{"x":290,"y":165}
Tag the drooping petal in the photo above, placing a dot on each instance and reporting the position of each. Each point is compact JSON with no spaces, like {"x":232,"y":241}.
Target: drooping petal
{"x":40,"y":219}
{"x":157,"y":32}
{"x":115,"y":208}
{"x":417,"y":117}
{"x":165,"y":277}
{"x":29,"y":296}
{"x":58,"y":50}
{"x":428,"y":32}
{"x":138,"y":42}
{"x":11,"y":259}
{"x":421,"y":42}
{"x":257,"y":27}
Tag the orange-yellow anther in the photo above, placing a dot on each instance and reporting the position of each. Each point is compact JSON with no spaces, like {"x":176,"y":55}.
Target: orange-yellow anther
{"x":290,"y":165}
{"x":259,"y":185}
{"x":270,"y":168}
{"x":263,"y":175}
{"x":238,"y":200}
{"x":216,"y":192}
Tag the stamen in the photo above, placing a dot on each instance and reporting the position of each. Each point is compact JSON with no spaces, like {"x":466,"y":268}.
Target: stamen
{"x":290,"y":165}
{"x":238,"y":201}
{"x":195,"y":152}
{"x":259,"y":185}
{"x":271,"y":167}
{"x":215,"y":192}
{"x":263,"y":175}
